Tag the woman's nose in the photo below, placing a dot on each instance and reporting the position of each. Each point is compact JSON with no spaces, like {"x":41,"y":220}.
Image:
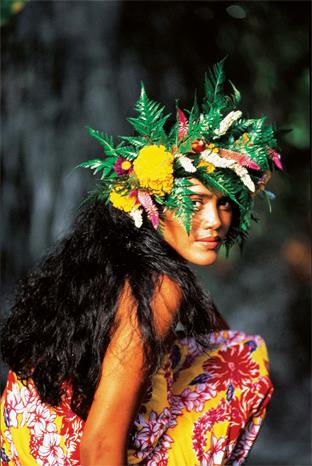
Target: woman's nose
{"x":211,"y":217}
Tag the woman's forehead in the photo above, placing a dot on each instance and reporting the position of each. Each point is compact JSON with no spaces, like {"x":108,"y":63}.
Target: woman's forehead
{"x":199,"y":188}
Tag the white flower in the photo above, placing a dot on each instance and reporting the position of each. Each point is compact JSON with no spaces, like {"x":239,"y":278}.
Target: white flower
{"x":14,"y":452}
{"x":244,"y":176}
{"x":186,"y":163}
{"x":221,"y":162}
{"x":17,"y":402}
{"x":227,"y":122}
{"x":51,"y":450}
{"x":136,"y":215}
{"x":215,"y":159}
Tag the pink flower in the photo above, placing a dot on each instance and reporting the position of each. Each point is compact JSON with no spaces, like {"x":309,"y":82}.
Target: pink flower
{"x":152,"y":428}
{"x":193,"y":400}
{"x":150,"y":208}
{"x":275,"y":156}
{"x":183,"y":124}
{"x":159,"y":456}
{"x":222,"y":339}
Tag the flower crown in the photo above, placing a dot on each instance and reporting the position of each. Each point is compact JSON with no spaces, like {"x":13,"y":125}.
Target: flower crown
{"x":151,"y":171}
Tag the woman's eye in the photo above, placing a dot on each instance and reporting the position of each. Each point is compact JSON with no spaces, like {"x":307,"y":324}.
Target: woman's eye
{"x":197,"y":202}
{"x":225,"y":203}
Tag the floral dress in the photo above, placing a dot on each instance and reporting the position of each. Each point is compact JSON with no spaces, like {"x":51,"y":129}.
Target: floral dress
{"x":201,"y":409}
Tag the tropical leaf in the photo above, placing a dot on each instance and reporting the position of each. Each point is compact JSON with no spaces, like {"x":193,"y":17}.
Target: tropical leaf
{"x":127,"y":152}
{"x":213,"y":85}
{"x":179,"y":201}
{"x":224,"y":181}
{"x":105,"y":140}
{"x":135,"y":141}
{"x":236,"y":97}
{"x":93,"y":164}
{"x":240,"y":127}
{"x":105,"y":166}
{"x":150,"y":121}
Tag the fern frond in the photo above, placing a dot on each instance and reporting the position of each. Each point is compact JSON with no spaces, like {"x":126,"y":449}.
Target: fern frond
{"x":213,"y":85}
{"x":127,"y":152}
{"x":150,"y":120}
{"x":105,"y":140}
{"x":179,"y":201}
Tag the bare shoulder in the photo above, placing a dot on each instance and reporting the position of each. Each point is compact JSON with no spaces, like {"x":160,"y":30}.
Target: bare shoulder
{"x":166,"y":303}
{"x":170,"y":292}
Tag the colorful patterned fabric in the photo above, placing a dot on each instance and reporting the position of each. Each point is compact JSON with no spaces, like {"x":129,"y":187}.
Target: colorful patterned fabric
{"x":200,"y":410}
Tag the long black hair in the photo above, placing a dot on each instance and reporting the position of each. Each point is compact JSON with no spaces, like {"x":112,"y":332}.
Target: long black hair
{"x":64,"y":310}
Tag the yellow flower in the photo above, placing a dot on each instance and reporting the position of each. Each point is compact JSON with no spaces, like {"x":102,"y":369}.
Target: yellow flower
{"x":209,"y":166}
{"x":126,"y":165}
{"x":122,"y":202}
{"x":154,"y":169}
{"x":212,"y":148}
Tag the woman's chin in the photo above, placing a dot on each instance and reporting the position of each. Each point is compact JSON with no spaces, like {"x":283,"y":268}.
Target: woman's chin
{"x":207,"y":258}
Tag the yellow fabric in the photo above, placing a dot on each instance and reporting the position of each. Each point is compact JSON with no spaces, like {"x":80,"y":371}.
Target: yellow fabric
{"x":186,"y":405}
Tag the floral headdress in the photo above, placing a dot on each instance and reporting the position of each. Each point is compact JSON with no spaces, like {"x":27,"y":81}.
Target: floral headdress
{"x":151,"y":171}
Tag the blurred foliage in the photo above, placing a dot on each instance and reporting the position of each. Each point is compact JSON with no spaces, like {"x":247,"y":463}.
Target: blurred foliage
{"x":8,"y":8}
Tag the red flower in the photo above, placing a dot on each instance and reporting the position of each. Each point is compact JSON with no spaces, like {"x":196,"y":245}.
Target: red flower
{"x":233,"y":365}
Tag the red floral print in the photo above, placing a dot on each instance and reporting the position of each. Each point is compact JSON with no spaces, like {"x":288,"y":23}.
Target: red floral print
{"x":233,"y":365}
{"x":221,"y":397}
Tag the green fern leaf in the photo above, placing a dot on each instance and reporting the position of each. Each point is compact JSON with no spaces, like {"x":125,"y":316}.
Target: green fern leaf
{"x":127,"y":152}
{"x":236,"y":97}
{"x":179,"y":201}
{"x":214,"y":84}
{"x":137,"y":142}
{"x":150,"y":120}
{"x":105,"y":140}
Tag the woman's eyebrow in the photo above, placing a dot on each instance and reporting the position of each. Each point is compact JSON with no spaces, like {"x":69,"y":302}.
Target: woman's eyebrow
{"x":208,"y":196}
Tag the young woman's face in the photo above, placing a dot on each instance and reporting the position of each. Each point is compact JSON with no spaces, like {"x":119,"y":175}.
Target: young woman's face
{"x":210,"y":223}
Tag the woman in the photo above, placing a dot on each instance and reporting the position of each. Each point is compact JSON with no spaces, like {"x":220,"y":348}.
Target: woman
{"x":116,"y":354}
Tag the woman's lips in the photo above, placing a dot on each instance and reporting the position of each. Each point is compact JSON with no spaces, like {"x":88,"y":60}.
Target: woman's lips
{"x":210,"y":242}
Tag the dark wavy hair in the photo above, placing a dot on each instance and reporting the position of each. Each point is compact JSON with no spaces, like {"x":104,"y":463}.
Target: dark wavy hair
{"x":64,"y":310}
